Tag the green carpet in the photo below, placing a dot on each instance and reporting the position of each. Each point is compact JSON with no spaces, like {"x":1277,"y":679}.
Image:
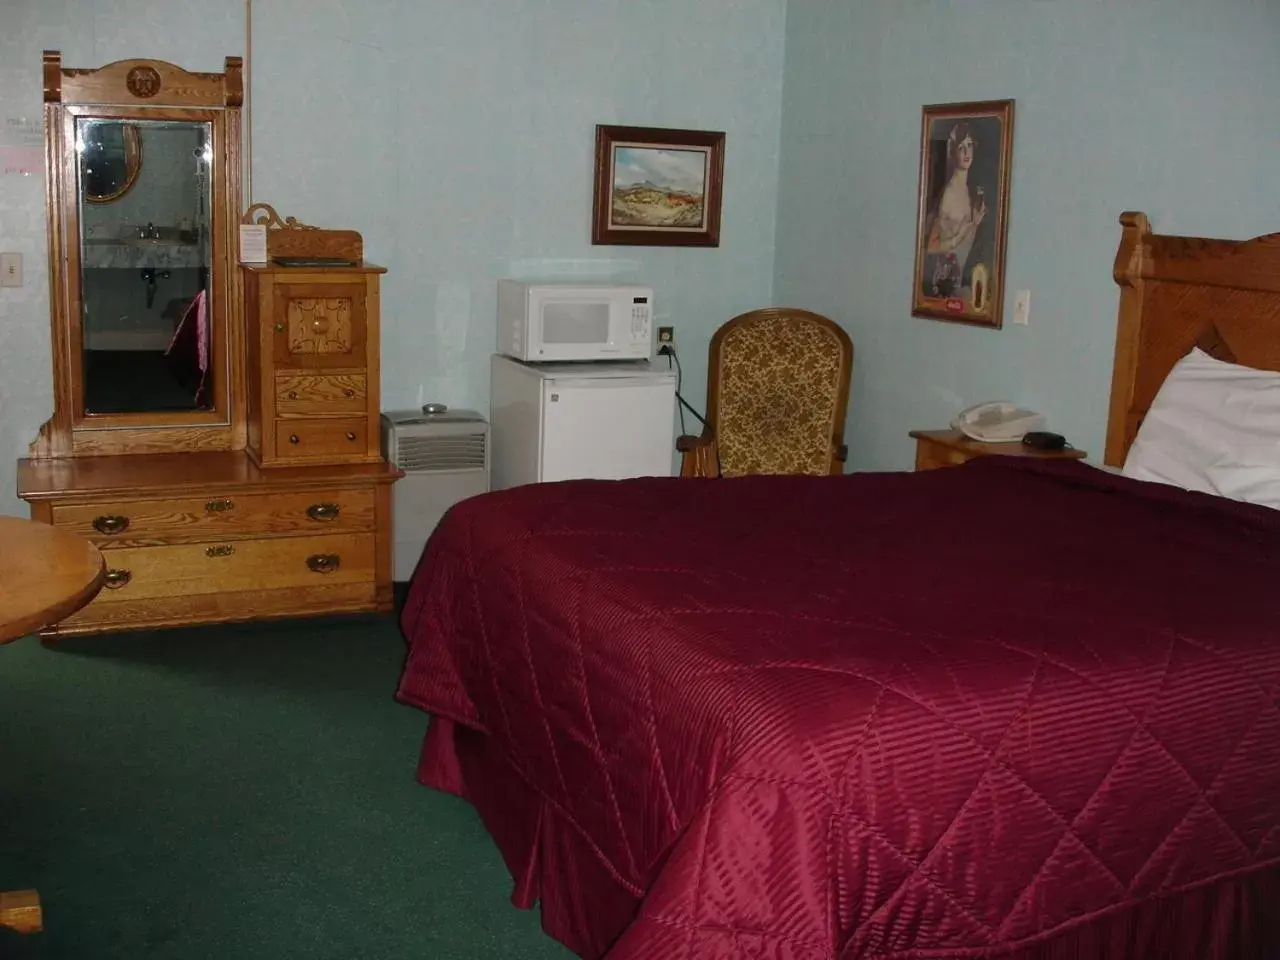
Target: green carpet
{"x":238,"y":792}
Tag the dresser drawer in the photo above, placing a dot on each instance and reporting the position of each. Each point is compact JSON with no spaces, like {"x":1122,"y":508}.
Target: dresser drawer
{"x":141,"y":522}
{"x":321,"y":439}
{"x":310,"y":394}
{"x":140,"y":573}
{"x":183,"y":610}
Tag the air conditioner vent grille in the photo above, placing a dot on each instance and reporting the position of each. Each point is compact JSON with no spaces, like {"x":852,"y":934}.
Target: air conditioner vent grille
{"x":435,"y":454}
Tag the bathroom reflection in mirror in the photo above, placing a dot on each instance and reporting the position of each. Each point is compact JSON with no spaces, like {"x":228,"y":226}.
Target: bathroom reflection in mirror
{"x":146,"y":258}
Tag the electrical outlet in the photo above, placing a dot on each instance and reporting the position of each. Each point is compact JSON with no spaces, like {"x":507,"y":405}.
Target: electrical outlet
{"x":667,"y":335}
{"x":10,"y":269}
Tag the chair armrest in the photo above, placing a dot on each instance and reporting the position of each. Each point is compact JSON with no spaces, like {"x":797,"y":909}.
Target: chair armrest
{"x":700,"y":456}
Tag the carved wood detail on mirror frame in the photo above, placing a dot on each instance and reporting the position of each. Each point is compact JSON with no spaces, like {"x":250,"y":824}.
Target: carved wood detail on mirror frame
{"x":143,"y":192}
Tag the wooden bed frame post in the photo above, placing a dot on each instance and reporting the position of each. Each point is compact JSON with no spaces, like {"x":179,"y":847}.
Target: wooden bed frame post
{"x":1127,"y":272}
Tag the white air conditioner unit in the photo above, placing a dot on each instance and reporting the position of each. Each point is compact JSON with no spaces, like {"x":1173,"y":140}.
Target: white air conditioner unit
{"x":445,"y":458}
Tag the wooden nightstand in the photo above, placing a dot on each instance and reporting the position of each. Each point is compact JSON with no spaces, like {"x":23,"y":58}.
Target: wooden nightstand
{"x":949,"y":448}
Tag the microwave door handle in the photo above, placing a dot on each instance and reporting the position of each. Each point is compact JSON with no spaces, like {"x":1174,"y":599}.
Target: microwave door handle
{"x":534,"y":321}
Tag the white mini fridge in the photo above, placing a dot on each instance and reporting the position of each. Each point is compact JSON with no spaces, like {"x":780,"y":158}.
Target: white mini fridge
{"x":575,"y":421}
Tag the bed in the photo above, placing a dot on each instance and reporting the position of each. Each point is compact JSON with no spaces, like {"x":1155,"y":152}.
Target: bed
{"x":797,"y":717}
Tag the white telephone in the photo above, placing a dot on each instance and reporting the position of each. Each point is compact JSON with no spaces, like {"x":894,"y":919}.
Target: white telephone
{"x":998,"y":421}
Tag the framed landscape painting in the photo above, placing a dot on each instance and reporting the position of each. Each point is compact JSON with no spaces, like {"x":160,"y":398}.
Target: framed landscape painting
{"x":962,"y":210}
{"x":657,"y":187}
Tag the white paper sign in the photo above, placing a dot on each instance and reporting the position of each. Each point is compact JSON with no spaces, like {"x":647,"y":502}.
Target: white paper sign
{"x":253,"y":243}
{"x":22,"y":132}
{"x":22,"y":146}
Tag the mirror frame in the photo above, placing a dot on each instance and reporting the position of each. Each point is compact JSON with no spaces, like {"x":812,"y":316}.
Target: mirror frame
{"x":132,"y":166}
{"x":141,"y":90}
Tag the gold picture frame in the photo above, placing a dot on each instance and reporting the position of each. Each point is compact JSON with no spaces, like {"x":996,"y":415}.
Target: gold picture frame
{"x":119,"y":167}
{"x":962,"y":212}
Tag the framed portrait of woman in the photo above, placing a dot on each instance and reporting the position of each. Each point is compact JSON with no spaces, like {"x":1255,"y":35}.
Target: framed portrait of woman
{"x":966,"y":151}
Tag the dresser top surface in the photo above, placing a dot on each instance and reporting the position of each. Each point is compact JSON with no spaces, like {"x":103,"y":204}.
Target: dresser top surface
{"x":302,"y":271}
{"x":172,"y":474}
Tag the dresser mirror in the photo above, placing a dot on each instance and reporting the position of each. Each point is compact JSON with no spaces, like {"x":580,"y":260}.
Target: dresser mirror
{"x":145,"y":267}
{"x":144,"y":194}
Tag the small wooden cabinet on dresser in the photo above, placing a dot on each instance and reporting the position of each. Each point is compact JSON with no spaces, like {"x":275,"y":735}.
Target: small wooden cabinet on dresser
{"x":950,"y":448}
{"x":312,"y":357}
{"x":223,"y":453}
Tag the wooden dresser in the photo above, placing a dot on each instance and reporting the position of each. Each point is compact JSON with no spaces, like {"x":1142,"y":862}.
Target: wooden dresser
{"x":235,"y":473}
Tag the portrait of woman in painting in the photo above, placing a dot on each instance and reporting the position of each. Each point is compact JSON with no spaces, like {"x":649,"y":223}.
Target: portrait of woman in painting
{"x":960,"y":233}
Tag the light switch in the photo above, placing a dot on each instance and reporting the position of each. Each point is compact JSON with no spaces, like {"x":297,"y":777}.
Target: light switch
{"x":10,"y":269}
{"x":1022,"y":307}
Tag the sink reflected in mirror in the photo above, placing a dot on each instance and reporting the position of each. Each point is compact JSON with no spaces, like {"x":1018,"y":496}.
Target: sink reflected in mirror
{"x":158,"y":235}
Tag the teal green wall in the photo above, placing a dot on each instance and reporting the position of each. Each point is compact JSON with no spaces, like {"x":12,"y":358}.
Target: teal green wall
{"x":1171,"y":107}
{"x":459,"y":137}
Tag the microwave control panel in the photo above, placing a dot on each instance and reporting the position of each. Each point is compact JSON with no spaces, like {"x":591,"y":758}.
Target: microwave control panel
{"x":640,"y":321}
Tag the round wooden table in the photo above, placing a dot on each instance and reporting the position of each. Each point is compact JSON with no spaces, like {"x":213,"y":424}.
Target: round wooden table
{"x":46,"y":574}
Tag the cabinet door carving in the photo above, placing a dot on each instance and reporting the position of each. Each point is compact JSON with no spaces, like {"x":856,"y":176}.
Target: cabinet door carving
{"x":320,"y":324}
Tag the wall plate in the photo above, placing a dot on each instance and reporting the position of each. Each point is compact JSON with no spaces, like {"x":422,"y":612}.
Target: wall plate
{"x":10,"y":269}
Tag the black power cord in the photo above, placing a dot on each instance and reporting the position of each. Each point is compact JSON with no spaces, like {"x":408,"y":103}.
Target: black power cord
{"x":668,"y":351}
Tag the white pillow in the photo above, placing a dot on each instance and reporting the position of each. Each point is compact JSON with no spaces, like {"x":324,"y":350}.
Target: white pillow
{"x":1213,"y":427}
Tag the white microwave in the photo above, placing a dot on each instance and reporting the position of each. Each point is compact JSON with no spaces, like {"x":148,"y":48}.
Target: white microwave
{"x":574,"y":321}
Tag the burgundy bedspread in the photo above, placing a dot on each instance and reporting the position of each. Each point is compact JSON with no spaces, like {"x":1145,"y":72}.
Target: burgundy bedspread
{"x":947,"y":714}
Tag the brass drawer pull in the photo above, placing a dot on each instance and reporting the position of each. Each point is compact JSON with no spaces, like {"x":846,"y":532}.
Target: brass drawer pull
{"x":221,"y":550}
{"x":324,"y":562}
{"x":219,"y":506}
{"x":348,"y":393}
{"x":293,"y":438}
{"x":279,"y":328}
{"x":111,"y":525}
{"x":323,"y":512}
{"x":350,"y":435}
{"x":115,"y":579}
{"x":293,"y":394}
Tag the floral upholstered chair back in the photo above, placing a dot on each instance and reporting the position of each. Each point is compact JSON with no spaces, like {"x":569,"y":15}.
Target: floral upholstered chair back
{"x":777,"y":388}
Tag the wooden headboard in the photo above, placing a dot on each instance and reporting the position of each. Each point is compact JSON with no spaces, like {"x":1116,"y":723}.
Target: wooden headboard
{"x":1180,"y":292}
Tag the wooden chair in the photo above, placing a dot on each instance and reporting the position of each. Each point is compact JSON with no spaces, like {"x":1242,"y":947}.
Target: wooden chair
{"x":777,"y":388}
